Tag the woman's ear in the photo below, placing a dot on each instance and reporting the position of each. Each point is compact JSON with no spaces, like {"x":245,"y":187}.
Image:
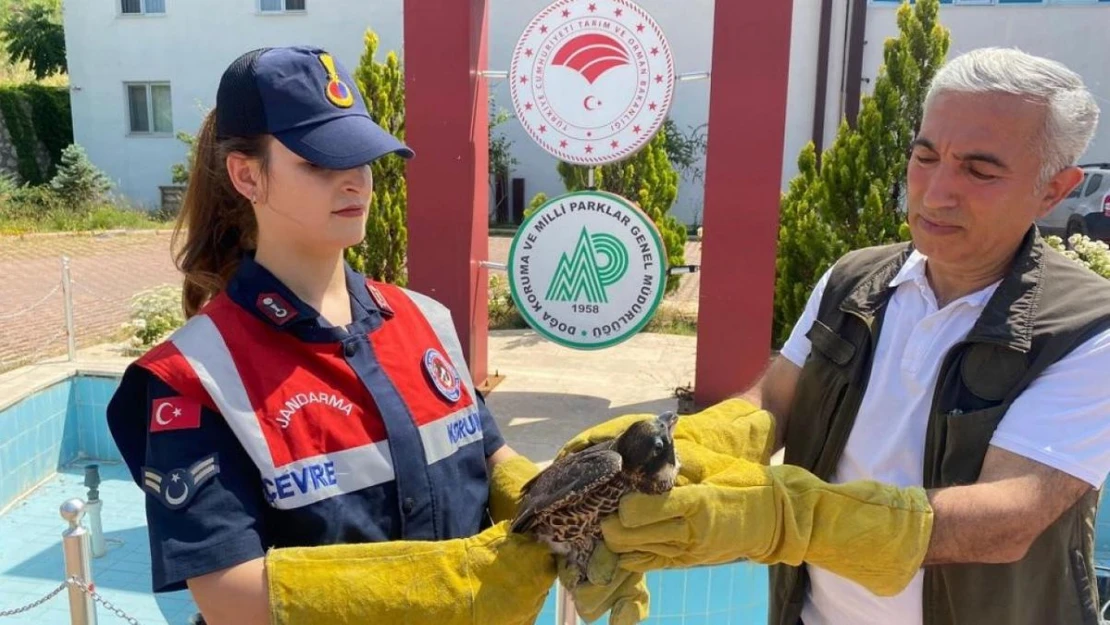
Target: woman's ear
{"x":245,"y":175}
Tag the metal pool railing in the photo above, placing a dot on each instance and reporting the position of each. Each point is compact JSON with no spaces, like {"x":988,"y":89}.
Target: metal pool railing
{"x":76,"y":549}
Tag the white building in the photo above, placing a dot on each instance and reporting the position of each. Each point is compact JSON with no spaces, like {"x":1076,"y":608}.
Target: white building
{"x":141,"y":70}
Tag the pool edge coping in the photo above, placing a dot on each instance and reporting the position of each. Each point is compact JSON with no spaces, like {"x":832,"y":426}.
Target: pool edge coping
{"x":19,"y":384}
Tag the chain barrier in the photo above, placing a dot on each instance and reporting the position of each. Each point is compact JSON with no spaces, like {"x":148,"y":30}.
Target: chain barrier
{"x":35,"y":604}
{"x":102,"y":601}
{"x":83,"y":587}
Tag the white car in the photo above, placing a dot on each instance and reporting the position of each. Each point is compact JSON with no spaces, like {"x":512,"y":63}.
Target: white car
{"x":1086,"y":210}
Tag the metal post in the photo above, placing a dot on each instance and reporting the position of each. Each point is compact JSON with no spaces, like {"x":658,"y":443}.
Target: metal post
{"x":590,"y":178}
{"x":566,"y":613}
{"x":92,"y":507}
{"x":67,"y":296}
{"x":75,"y":548}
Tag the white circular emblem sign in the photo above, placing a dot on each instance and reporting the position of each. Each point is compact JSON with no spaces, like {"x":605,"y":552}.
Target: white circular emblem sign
{"x":587,"y":269}
{"x":592,"y":80}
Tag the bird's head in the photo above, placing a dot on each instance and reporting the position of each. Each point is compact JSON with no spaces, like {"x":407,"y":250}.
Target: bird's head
{"x":648,"y":453}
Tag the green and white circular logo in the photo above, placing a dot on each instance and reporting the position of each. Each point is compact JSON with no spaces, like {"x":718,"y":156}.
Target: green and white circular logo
{"x":587,"y":269}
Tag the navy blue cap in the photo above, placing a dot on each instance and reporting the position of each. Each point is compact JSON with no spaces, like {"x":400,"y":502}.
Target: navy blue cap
{"x":305,"y":98}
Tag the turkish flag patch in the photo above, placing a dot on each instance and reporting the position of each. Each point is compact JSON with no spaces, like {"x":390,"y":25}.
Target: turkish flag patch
{"x":174,"y":413}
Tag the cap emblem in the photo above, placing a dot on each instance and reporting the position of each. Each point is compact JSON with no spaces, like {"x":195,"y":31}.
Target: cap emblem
{"x":337,"y":92}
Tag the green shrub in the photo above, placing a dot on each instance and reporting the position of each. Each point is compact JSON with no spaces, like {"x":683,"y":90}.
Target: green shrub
{"x":503,"y":313}
{"x":179,"y":172}
{"x":852,"y":197}
{"x":155,"y":313}
{"x":1094,"y":255}
{"x":382,"y":253}
{"x":78,"y":181}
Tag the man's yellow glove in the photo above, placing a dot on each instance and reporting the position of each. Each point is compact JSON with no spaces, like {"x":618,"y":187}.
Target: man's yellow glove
{"x":874,"y":534}
{"x":621,"y":593}
{"x":493,"y":577}
{"x":706,"y":442}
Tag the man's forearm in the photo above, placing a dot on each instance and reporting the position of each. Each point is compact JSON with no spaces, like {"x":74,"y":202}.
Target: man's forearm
{"x":996,"y":519}
{"x":974,"y":524}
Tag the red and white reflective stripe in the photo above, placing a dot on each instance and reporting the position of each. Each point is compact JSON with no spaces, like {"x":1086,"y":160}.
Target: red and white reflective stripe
{"x":304,"y":481}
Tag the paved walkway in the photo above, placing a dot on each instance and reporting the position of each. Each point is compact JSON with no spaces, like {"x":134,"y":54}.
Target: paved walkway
{"x":107,"y":270}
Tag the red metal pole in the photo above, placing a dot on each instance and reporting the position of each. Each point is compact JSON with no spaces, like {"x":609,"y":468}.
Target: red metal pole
{"x":747,"y":115}
{"x":446,"y":125}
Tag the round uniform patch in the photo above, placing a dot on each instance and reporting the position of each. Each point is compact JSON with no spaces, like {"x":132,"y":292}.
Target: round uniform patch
{"x":443,"y":375}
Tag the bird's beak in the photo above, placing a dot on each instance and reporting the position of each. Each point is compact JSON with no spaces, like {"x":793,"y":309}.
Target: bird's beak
{"x":669,"y":419}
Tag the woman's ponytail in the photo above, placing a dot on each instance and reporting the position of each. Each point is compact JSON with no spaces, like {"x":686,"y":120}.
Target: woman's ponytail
{"x":216,"y":220}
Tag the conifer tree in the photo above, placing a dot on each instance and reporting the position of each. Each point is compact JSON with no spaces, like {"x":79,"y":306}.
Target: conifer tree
{"x":853,"y":198}
{"x":78,"y":181}
{"x":383,"y":252}
{"x":647,"y":178}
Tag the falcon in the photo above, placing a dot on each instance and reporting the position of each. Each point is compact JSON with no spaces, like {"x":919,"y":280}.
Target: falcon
{"x":563,"y":505}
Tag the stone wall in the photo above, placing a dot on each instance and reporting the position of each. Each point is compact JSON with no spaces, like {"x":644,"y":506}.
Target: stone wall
{"x":9,"y":161}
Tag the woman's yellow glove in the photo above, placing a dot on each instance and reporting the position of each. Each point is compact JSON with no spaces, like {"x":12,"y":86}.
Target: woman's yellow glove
{"x":493,"y":577}
{"x":505,"y":482}
{"x":623,"y":594}
{"x":874,"y":534}
{"x":706,"y":442}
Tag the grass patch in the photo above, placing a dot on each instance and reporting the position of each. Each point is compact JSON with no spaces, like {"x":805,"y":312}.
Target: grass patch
{"x":103,"y":217}
{"x":668,"y":320}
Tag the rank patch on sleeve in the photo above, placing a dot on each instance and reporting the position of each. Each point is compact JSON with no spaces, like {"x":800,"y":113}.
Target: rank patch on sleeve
{"x":177,"y":488}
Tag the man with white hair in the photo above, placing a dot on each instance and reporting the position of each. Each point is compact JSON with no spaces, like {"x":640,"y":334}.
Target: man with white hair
{"x":943,"y":403}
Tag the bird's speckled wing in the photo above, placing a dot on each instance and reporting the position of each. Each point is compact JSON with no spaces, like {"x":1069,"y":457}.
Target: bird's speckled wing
{"x":570,"y":479}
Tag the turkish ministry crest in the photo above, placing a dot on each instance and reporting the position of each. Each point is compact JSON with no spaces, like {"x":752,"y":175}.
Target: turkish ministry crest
{"x":592,"y":80}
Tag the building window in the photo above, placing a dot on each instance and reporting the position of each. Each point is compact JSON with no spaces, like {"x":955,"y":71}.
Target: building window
{"x":149,"y":108}
{"x":142,"y":7}
{"x":281,"y":6}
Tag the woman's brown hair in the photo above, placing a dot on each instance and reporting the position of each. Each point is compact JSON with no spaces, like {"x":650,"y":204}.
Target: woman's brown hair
{"x":217,"y":221}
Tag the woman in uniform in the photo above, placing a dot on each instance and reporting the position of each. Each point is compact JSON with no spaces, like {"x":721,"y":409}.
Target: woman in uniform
{"x":311,"y":443}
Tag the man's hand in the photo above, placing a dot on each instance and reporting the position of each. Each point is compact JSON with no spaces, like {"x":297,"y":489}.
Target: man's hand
{"x":996,"y":519}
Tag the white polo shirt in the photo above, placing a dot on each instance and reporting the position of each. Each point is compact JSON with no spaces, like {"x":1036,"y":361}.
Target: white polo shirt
{"x":1062,"y":419}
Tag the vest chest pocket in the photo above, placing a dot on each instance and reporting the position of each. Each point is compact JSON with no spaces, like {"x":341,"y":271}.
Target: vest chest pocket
{"x":822,"y":386}
{"x":967,"y":435}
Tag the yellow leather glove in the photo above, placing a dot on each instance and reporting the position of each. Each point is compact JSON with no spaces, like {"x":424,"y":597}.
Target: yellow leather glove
{"x":621,"y":593}
{"x":872,"y":533}
{"x":493,"y":577}
{"x":505,"y":483}
{"x":706,"y":442}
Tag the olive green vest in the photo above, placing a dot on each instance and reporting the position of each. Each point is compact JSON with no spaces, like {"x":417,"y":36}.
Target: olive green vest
{"x":1045,"y":307}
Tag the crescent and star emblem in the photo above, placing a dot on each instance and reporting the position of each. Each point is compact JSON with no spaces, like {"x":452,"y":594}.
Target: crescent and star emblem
{"x":176,"y":488}
{"x":586,"y":103}
{"x":175,"y":477}
{"x":158,"y":414}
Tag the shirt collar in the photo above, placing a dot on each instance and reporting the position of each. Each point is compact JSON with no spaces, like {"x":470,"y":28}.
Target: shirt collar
{"x":913,"y":270}
{"x":261,"y":293}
